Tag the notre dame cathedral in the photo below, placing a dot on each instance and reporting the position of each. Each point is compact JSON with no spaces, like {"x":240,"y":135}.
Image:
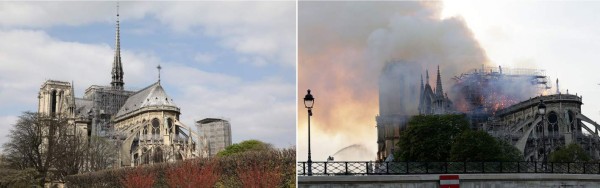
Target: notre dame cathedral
{"x":144,"y":124}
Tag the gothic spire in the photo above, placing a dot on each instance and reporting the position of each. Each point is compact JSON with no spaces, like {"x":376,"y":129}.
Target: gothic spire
{"x":421,"y":96}
{"x":426,"y":77}
{"x":438,"y":87}
{"x":117,"y":69}
{"x":422,"y":87}
{"x":72,"y":100}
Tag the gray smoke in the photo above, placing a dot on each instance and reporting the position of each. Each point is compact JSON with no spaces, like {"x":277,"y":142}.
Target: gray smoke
{"x":415,"y":44}
{"x":489,"y":90}
{"x":345,"y":46}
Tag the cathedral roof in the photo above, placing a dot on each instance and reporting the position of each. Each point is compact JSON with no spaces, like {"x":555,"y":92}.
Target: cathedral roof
{"x":83,"y":107}
{"x":153,"y":95}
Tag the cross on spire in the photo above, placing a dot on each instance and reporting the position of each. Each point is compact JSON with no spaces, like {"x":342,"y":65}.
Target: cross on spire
{"x":158,"y":67}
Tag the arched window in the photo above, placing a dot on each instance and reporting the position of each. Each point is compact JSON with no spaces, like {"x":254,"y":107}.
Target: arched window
{"x":136,"y":160}
{"x":158,"y":155}
{"x":155,"y":126}
{"x":539,"y":127}
{"x":553,"y":121}
{"x":571,"y":120}
{"x":145,"y":156}
{"x":53,"y":102}
{"x":170,"y":125}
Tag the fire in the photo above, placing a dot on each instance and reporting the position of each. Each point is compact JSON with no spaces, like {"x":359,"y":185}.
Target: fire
{"x":488,"y":92}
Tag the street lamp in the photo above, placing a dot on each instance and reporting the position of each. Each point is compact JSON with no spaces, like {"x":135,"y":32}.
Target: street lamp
{"x":542,"y":108}
{"x":542,"y":112}
{"x":309,"y":101}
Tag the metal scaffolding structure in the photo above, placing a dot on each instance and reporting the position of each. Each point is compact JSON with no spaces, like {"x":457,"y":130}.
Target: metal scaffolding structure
{"x":485,"y":90}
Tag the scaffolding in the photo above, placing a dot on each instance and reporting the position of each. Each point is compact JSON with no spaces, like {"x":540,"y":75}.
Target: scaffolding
{"x":488,"y":89}
{"x":106,"y":102}
{"x":537,"y":76}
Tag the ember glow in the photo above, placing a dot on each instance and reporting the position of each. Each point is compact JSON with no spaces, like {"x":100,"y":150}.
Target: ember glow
{"x":486,"y":92}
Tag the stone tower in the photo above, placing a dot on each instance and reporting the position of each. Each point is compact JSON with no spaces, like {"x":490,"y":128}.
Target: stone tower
{"x":56,"y":97}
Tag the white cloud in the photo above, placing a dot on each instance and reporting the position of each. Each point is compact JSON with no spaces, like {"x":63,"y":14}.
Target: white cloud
{"x":263,"y":30}
{"x":262,"y":33}
{"x":29,"y":57}
{"x":258,"y":109}
{"x":182,"y":76}
{"x":48,"y":14}
{"x":204,"y":58}
{"x":7,"y":123}
{"x":263,"y":110}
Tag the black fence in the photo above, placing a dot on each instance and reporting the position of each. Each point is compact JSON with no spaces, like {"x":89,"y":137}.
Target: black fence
{"x":399,"y":168}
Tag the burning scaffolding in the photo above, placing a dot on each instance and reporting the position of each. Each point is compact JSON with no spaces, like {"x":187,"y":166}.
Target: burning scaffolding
{"x":489,"y":89}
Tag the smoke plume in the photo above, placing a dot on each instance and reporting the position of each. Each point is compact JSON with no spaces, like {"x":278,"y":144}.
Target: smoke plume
{"x":485,"y":91}
{"x":345,"y":46}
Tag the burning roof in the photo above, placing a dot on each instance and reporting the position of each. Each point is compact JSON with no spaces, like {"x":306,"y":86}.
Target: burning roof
{"x":490,"y":89}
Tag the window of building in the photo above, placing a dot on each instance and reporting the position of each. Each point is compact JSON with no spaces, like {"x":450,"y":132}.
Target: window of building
{"x":553,"y":121}
{"x":170,"y":125}
{"x":53,"y":102}
{"x":155,"y":126}
{"x":145,"y":156}
{"x":158,"y":155}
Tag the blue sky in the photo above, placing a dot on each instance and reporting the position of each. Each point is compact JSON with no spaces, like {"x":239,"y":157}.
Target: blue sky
{"x":220,"y":59}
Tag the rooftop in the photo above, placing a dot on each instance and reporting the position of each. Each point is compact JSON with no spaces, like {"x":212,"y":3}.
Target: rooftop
{"x":153,"y":95}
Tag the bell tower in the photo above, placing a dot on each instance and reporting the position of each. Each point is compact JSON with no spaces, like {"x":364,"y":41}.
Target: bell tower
{"x":56,"y":97}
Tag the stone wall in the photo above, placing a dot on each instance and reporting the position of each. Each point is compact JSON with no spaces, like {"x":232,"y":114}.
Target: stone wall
{"x":466,"y":181}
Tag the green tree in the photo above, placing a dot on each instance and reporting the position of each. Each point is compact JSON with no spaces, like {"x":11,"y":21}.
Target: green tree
{"x":430,"y":138}
{"x":509,"y":152}
{"x":475,"y":146}
{"x":448,"y":138}
{"x":248,"y":145}
{"x":570,"y":153}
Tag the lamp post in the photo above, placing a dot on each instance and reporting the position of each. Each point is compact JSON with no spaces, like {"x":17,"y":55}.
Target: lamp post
{"x":542,"y":112}
{"x":309,"y":101}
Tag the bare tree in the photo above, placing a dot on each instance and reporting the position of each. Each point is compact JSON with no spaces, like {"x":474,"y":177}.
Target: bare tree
{"x":70,"y":153}
{"x":101,"y":153}
{"x":48,"y":144}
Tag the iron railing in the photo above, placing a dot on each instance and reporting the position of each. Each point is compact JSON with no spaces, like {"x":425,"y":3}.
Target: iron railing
{"x":399,"y":168}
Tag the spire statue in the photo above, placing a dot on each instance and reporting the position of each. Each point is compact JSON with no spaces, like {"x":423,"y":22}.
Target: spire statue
{"x":557,"y":88}
{"x":72,"y":100}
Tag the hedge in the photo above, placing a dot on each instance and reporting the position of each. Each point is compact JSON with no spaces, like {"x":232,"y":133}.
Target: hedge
{"x":271,"y":168}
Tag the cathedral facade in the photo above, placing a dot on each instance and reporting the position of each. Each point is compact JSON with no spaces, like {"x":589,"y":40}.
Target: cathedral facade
{"x":394,"y":115}
{"x":535,"y":133}
{"x":143,"y":125}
